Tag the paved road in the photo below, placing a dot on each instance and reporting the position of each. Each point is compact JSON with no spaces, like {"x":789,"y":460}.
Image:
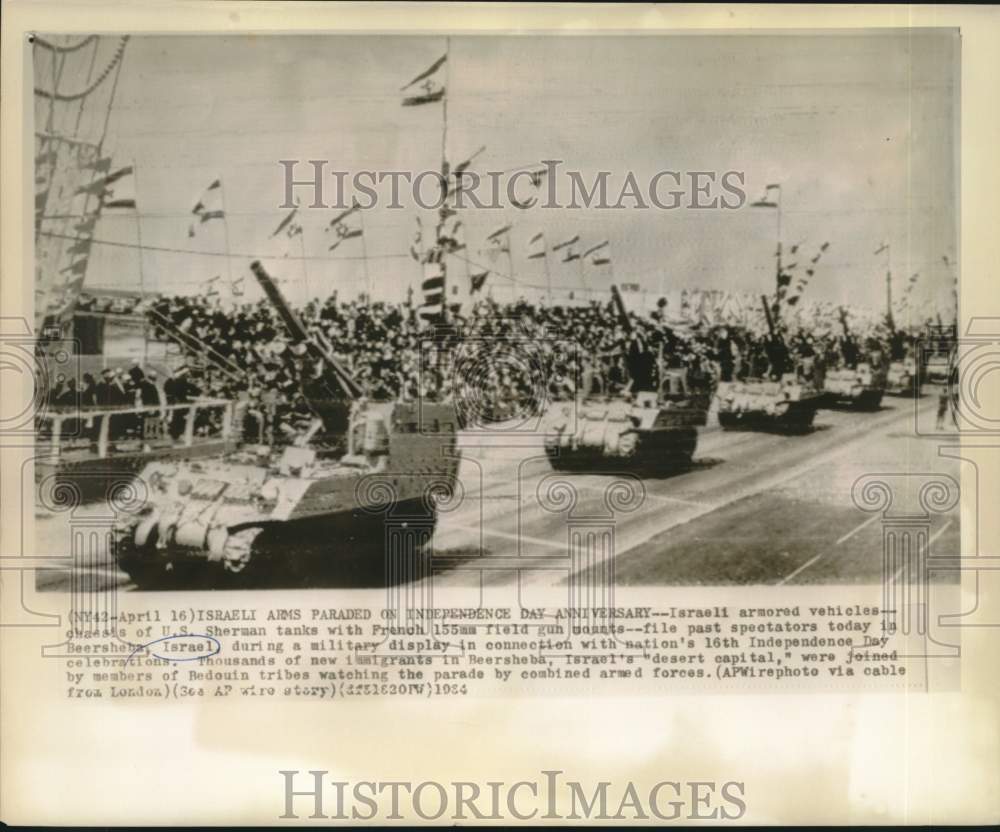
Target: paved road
{"x":753,"y":508}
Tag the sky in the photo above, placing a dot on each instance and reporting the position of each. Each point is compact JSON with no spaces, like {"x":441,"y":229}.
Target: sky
{"x":859,"y":128}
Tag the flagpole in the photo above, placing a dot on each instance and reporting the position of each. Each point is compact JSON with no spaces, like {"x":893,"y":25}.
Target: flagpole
{"x":444,"y":174}
{"x":138,"y":241}
{"x":779,"y":217}
{"x":305,"y":266}
{"x":777,"y":281}
{"x":468,"y":275}
{"x":444,"y":100}
{"x":548,"y":274}
{"x":225,"y":230}
{"x":888,"y":279}
{"x":364,"y":253}
{"x":510,"y":262}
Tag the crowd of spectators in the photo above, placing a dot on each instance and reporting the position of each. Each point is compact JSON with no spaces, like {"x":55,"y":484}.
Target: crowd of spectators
{"x":501,"y":359}
{"x":503,"y":356}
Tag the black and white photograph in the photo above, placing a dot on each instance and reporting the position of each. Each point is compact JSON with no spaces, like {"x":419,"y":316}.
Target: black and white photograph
{"x":477,"y":413}
{"x":320,"y":288}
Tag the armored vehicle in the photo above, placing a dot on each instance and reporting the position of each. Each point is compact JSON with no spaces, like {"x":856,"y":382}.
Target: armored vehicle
{"x":654,"y":429}
{"x":937,"y":352}
{"x":859,"y":382}
{"x":902,"y":378}
{"x":287,"y":515}
{"x":785,"y":402}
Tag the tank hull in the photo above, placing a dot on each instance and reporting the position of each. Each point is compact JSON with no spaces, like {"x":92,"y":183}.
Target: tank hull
{"x":795,"y":417}
{"x":648,"y":436}
{"x":785,"y":406}
{"x":297,"y":515}
{"x":860,"y":389}
{"x":658,"y":451}
{"x":902,"y":380}
{"x":94,"y":478}
{"x":869,"y":398}
{"x":354,"y":548}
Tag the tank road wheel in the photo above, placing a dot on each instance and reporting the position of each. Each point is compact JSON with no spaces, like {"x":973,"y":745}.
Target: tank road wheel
{"x":869,"y":400}
{"x":142,"y":569}
{"x":151,"y":568}
{"x":237,"y":555}
{"x":679,"y":449}
{"x":799,"y":420}
{"x":729,"y":421}
{"x":553,"y":452}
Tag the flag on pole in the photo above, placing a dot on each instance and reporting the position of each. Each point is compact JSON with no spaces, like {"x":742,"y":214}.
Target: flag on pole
{"x":341,"y":228}
{"x":122,"y":193}
{"x":766,"y":201}
{"x":499,"y":241}
{"x":343,"y":215}
{"x":80,"y":246}
{"x":78,"y":267}
{"x":87,"y":226}
{"x":564,"y":243}
{"x":98,"y":186}
{"x":288,"y":225}
{"x":536,"y":246}
{"x":598,"y":254}
{"x":461,"y":167}
{"x":477,"y":281}
{"x":209,"y":206}
{"x":499,"y":232}
{"x":449,"y":242}
{"x":430,"y":88}
{"x":102,"y":165}
{"x":344,"y":233}
{"x":417,"y":248}
{"x":536,"y":177}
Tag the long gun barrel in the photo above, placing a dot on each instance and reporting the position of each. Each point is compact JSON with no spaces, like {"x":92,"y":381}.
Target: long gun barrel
{"x":316,"y":346}
{"x":889,"y":320}
{"x":767,"y":315}
{"x":616,"y":299}
{"x":777,"y":351}
{"x":843,"y":322}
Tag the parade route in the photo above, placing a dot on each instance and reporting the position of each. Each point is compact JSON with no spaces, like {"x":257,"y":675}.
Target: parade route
{"x":775,"y":509}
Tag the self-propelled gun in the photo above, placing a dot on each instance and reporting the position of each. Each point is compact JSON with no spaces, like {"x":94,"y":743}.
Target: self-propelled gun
{"x":652,"y":429}
{"x":786,"y":401}
{"x":289,"y":514}
{"x":860,"y":380}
